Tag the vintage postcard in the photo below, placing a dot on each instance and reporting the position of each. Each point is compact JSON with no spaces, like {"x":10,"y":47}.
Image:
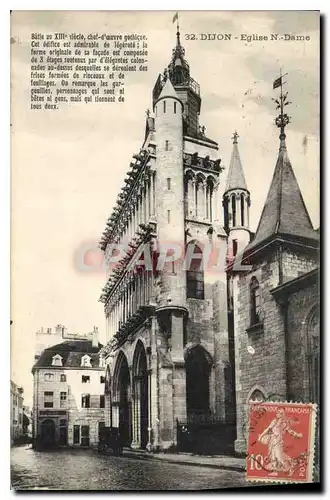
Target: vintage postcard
{"x":165,"y":250}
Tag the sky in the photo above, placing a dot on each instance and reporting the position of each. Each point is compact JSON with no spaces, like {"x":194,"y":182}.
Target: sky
{"x":68,"y":166}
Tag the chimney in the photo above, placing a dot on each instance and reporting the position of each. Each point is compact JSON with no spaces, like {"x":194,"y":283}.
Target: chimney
{"x":95,"y":341}
{"x":59,"y":330}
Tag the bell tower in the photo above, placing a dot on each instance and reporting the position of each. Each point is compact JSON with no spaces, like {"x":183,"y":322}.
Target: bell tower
{"x":186,"y":88}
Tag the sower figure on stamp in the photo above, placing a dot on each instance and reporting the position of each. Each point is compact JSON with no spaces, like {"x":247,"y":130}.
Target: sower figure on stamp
{"x":273,"y":436}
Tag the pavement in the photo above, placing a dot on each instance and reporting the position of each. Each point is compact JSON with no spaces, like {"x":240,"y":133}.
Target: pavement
{"x":83,"y":469}
{"x":212,"y":461}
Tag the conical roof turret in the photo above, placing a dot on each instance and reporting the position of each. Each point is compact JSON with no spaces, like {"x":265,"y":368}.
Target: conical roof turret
{"x":236,"y":177}
{"x":284,"y":212}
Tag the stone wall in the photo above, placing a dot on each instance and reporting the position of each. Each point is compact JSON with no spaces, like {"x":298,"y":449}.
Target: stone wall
{"x":261,"y":360}
{"x":300,"y":306}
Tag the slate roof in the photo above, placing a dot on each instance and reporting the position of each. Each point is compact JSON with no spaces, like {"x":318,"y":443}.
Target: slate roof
{"x":236,"y":178}
{"x":71,"y":352}
{"x":284,"y":211}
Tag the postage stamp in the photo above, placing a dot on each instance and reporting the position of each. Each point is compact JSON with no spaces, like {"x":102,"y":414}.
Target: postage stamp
{"x":281,"y":442}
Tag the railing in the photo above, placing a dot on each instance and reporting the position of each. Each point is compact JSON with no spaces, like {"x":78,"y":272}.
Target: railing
{"x":193,"y":160}
{"x":190,"y":82}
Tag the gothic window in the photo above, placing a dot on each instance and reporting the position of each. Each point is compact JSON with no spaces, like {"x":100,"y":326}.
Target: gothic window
{"x":234,"y":248}
{"x":254,"y":301}
{"x":257,"y":395}
{"x":242,"y":209}
{"x":225,"y":213}
{"x":233,"y":206}
{"x":195,"y":276}
{"x":313,"y":356}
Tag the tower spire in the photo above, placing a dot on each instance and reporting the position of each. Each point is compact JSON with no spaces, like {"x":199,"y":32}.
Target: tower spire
{"x":284,"y":213}
{"x":236,"y":177}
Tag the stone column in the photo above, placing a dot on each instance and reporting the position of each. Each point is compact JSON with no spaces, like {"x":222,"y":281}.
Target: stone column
{"x":107,"y":410}
{"x":195,"y":207}
{"x":179,"y":372}
{"x":136,"y":412}
{"x":206,"y":215}
{"x":211,"y":202}
{"x":153,"y":194}
{"x":154,"y":417}
{"x":147,"y":200}
{"x":115,"y":414}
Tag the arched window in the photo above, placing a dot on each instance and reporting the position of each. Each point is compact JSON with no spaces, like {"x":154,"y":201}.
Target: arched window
{"x":313,"y":355}
{"x":254,"y":301}
{"x":63,"y":378}
{"x":195,"y":275}
{"x":233,"y":206}
{"x":164,"y":104}
{"x":257,"y":395}
{"x":225,"y":213}
{"x":242,"y":209}
{"x":174,"y":107}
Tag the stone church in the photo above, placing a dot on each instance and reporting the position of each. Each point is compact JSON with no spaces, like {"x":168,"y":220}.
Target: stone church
{"x":180,"y":327}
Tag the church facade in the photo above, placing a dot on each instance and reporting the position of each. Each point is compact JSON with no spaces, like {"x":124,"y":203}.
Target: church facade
{"x":178,"y":311}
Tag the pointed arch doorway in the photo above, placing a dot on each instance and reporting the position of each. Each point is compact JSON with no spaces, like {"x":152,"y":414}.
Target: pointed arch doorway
{"x":122,"y":392}
{"x":198,"y":368}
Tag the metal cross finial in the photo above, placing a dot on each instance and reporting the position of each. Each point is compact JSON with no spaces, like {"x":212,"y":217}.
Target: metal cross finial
{"x":283,"y":119}
{"x":235,"y":137}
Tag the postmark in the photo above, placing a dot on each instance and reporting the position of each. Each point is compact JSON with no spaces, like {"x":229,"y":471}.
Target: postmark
{"x":281,"y":441}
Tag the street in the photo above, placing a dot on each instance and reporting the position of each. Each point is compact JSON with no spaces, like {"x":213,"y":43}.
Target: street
{"x":84,"y":469}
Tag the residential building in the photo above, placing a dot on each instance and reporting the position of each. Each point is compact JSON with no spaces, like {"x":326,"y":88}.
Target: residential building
{"x":68,"y":396}
{"x":16,"y":411}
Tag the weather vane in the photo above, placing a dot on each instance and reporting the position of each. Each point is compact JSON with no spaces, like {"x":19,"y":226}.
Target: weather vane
{"x":235,"y":137}
{"x":283,"y":119}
